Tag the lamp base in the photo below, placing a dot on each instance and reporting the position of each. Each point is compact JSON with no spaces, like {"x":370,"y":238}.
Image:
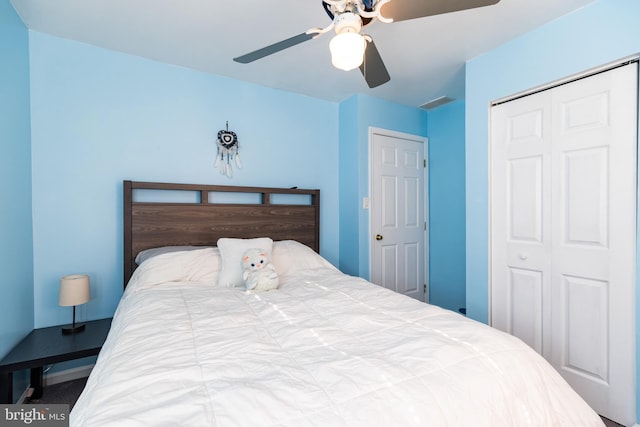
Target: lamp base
{"x":73,"y":329}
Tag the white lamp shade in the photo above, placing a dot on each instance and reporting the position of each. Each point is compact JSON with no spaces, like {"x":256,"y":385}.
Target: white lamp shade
{"x":74,"y":290}
{"x":347,"y":50}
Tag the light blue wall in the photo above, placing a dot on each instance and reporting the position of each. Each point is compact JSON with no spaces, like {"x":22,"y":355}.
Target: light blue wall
{"x":357,"y":115}
{"x":597,"y":34}
{"x":16,"y":250}
{"x":447,"y":206}
{"x":99,"y":117}
{"x":348,"y":167}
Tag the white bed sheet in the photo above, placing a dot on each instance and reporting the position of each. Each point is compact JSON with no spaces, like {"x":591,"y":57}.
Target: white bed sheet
{"x":325,"y":349}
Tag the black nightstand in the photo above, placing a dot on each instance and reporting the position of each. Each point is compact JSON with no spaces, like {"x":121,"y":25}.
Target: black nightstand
{"x":45,"y":346}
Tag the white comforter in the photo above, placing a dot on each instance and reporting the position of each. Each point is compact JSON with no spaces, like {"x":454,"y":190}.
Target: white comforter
{"x":324,"y":349}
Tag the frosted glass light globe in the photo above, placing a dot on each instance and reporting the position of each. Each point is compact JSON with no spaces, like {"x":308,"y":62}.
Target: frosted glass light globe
{"x":347,"y":50}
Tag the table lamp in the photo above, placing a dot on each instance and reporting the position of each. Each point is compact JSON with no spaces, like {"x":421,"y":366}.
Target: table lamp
{"x":74,"y":290}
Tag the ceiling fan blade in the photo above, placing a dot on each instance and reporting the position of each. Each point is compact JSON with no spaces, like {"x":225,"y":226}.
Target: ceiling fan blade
{"x":402,"y":10}
{"x":372,"y":68}
{"x":274,"y":48}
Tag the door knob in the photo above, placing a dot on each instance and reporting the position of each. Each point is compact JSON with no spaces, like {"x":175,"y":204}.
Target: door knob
{"x":378,"y":237}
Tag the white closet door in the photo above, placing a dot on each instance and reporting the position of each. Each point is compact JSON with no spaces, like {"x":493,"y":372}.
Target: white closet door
{"x":563,"y":232}
{"x":594,"y":223}
{"x":521,"y":268}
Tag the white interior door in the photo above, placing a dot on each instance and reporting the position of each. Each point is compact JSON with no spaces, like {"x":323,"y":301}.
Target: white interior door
{"x":563,"y":230}
{"x":398,"y":212}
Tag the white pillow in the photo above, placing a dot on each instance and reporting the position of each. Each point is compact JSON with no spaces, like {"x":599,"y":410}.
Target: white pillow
{"x":231,"y":251}
{"x":196,"y":265}
{"x":150,"y":253}
{"x":290,"y":256}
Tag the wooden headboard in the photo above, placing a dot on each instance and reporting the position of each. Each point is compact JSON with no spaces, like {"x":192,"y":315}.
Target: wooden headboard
{"x":159,"y":214}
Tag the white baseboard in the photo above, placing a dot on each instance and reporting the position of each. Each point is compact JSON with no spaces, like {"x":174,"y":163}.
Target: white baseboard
{"x":26,"y":393}
{"x":68,"y":375}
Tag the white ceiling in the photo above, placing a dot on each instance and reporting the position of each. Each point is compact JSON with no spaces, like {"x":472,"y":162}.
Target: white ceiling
{"x":425,"y":57}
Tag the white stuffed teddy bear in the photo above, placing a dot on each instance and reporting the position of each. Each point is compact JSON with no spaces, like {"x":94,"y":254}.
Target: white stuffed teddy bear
{"x":258,"y":273}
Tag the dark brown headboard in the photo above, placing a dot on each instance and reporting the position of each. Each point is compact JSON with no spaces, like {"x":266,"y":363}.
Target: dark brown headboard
{"x":201,"y":222}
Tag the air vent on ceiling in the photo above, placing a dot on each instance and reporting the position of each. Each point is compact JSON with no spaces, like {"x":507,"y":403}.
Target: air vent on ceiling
{"x":436,"y":102}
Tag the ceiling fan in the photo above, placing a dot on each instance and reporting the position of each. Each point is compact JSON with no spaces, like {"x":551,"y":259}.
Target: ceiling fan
{"x":350,"y":48}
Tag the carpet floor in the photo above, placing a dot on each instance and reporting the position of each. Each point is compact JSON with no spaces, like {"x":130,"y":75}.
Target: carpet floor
{"x":66,"y":392}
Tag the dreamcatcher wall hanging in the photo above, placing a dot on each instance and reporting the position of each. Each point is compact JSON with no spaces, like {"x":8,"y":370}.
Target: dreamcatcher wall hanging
{"x":227,"y":152}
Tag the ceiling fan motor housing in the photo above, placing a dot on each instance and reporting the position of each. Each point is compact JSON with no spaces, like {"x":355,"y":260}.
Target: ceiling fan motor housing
{"x":347,"y":22}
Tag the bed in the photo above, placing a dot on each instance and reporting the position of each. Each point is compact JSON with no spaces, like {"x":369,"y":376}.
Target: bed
{"x":324,"y":349}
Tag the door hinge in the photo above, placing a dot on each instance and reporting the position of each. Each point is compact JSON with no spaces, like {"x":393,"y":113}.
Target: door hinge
{"x":424,"y":163}
{"x":424,"y":290}
{"x":424,"y":226}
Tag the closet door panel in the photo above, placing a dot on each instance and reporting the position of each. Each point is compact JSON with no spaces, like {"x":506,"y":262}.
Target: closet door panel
{"x":521,"y":244}
{"x":525,"y":306}
{"x":586,"y":307}
{"x":593,"y":218}
{"x":586,"y":197}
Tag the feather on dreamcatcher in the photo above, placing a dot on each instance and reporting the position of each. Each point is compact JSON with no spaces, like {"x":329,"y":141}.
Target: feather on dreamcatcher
{"x":227,"y":152}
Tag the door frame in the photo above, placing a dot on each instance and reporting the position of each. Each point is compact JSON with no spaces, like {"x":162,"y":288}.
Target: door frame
{"x":368,"y":200}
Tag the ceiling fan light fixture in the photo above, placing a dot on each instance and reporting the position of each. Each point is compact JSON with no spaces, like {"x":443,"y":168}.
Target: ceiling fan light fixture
{"x":347,"y":50}
{"x":348,"y":17}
